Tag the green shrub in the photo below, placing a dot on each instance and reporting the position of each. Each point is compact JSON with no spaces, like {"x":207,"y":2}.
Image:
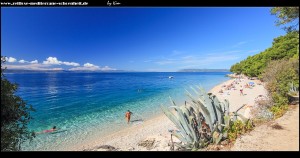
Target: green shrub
{"x":279,"y":75}
{"x":239,"y":127}
{"x":278,"y":111}
{"x":279,"y":100}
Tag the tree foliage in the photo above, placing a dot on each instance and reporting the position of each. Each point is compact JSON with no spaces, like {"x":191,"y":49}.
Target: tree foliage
{"x":287,"y":15}
{"x":15,"y":115}
{"x":283,"y":47}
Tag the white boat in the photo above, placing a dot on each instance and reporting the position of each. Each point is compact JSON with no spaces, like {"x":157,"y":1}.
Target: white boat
{"x":170,"y":77}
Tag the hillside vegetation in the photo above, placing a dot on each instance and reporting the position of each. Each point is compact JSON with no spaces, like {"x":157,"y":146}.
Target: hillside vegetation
{"x":283,"y":47}
{"x":278,"y":65}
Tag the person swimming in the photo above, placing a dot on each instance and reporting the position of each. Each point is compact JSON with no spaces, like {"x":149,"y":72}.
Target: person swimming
{"x":48,"y":130}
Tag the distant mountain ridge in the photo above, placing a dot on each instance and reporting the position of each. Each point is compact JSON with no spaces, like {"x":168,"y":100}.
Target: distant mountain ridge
{"x":204,"y":70}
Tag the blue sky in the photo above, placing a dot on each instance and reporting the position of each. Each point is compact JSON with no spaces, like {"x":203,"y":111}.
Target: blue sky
{"x":140,"y":39}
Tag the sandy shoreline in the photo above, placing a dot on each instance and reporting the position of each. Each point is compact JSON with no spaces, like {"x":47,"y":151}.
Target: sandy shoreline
{"x":157,"y":128}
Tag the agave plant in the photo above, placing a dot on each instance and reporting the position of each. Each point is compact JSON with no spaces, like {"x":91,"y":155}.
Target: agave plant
{"x":201,"y":121}
{"x":294,"y":91}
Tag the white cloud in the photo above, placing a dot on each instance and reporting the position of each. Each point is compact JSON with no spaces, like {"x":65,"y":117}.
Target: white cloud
{"x":55,"y":61}
{"x":52,"y":60}
{"x":106,"y":68}
{"x":91,"y":67}
{"x":71,"y":63}
{"x":84,"y":69}
{"x":58,"y":68}
{"x":49,"y":64}
{"x":10,"y":59}
{"x":23,"y":61}
{"x":34,"y":62}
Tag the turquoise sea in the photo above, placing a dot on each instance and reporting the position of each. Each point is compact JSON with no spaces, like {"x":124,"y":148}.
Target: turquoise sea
{"x":85,"y":106}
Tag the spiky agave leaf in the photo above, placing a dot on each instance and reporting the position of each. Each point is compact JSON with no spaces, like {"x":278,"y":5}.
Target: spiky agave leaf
{"x":185,"y":131}
{"x":226,"y":106}
{"x":219,"y":138}
{"x":227,"y":121}
{"x":202,"y":109}
{"x":186,"y":114}
{"x":180,"y":137}
{"x":196,"y":91}
{"x":180,"y":117}
{"x":208,"y":104}
{"x":196,"y":112}
{"x":205,"y":114}
{"x":186,"y":111}
{"x":184,"y":123}
{"x":220,"y":113}
{"x":172,"y":117}
{"x":172,"y":101}
{"x":204,"y":94}
{"x":217,"y":109}
{"x":192,"y":111}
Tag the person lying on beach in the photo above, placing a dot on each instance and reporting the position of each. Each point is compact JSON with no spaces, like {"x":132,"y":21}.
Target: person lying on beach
{"x":48,"y":130}
{"x":127,"y":115}
{"x":247,"y":86}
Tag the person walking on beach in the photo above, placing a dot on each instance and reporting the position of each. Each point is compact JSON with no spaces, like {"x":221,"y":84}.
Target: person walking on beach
{"x":241,"y":91}
{"x":127,"y":115}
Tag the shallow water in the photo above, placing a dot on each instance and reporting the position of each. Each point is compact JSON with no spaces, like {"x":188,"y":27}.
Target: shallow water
{"x":85,"y":106}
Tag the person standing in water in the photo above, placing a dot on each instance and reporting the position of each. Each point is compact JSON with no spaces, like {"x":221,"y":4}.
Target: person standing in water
{"x":127,"y":115}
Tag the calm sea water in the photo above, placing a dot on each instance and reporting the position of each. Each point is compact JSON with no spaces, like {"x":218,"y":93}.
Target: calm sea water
{"x":88,"y":105}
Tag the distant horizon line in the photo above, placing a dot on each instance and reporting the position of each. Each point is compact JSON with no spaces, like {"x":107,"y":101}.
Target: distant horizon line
{"x":116,"y":71}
